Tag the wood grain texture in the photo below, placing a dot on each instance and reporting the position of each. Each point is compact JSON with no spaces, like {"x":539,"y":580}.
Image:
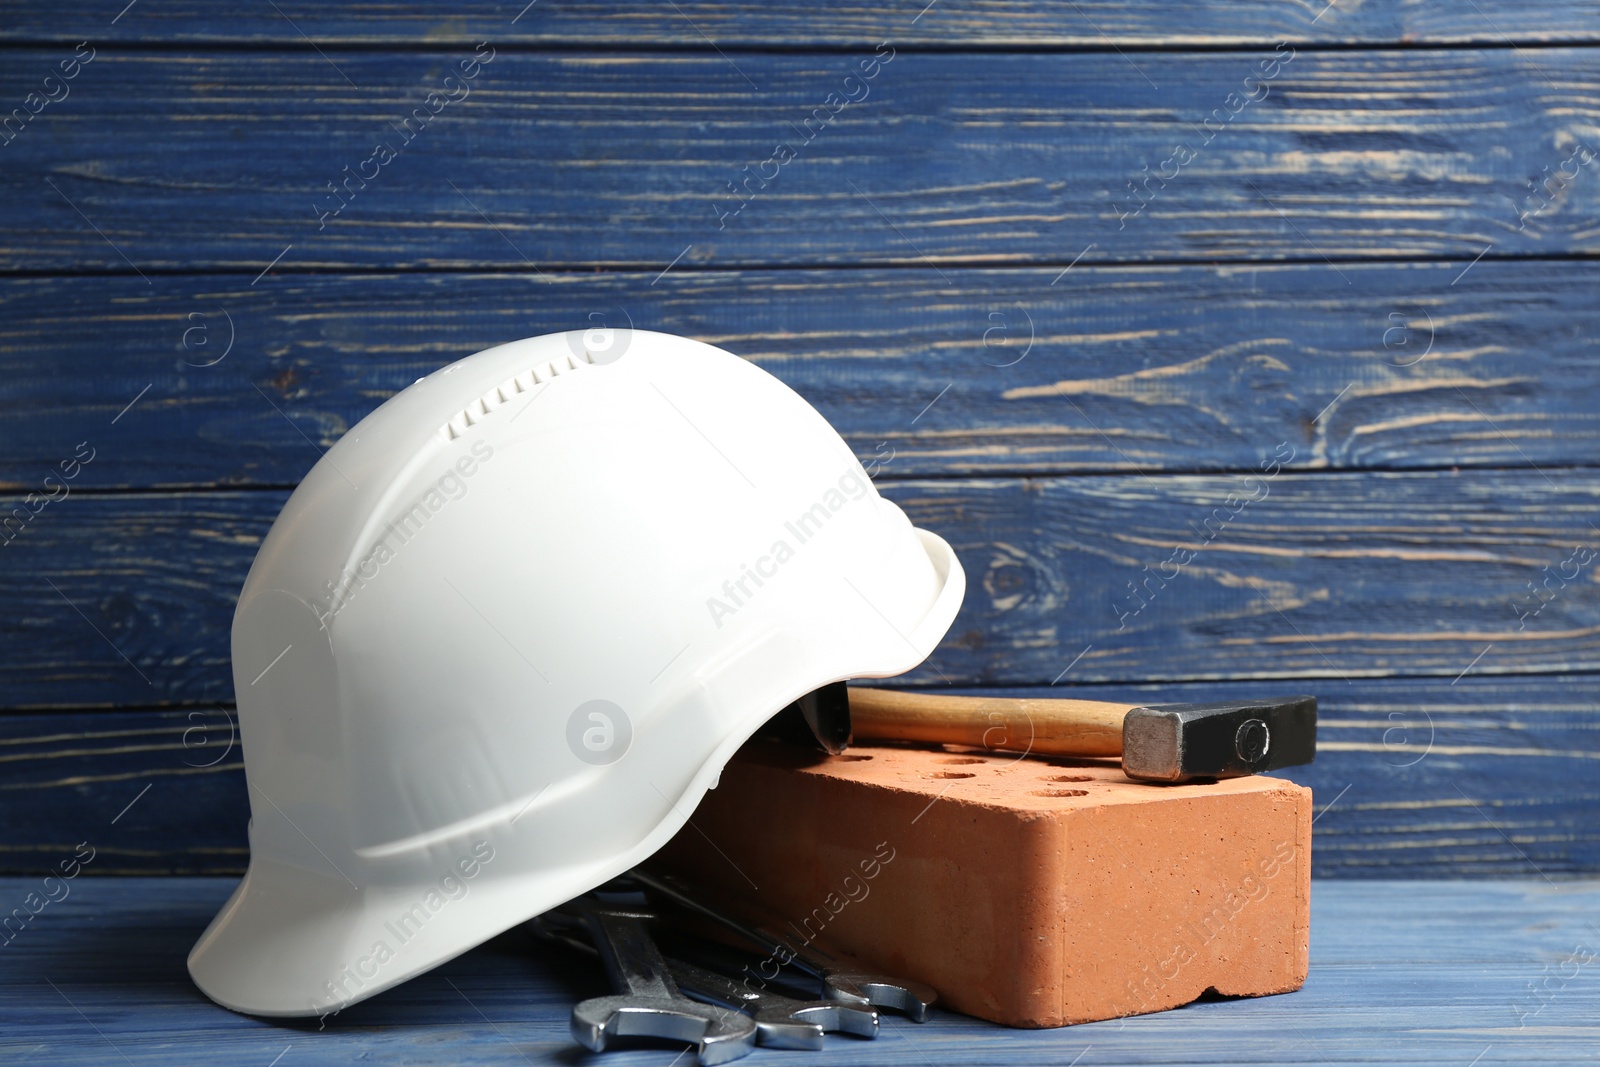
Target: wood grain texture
{"x":587,"y":177}
{"x":1320,"y":575}
{"x":158,"y":792}
{"x":1401,"y":973}
{"x":1061,"y":726}
{"x":1487,"y":777}
{"x":1109,"y":369}
{"x":147,"y":580}
{"x":835,"y":23}
{"x":1185,"y":578}
{"x":225,"y":160}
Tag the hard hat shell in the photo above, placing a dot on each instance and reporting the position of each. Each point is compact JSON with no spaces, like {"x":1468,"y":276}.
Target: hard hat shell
{"x":507,"y":632}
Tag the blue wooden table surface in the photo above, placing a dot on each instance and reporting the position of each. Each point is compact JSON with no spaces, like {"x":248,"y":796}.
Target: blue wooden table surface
{"x":1485,"y":972}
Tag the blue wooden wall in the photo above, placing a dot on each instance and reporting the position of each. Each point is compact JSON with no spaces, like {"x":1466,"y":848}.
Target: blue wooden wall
{"x":1307,"y":289}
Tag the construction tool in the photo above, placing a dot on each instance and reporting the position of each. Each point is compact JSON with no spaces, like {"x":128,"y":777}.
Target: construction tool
{"x":781,"y":1021}
{"x":1157,"y":743}
{"x":839,"y":981}
{"x":647,"y":1002}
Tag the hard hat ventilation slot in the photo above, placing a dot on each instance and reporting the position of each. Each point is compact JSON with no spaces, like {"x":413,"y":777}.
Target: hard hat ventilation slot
{"x":503,"y":393}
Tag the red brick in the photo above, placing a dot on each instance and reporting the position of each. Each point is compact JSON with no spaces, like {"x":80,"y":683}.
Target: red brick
{"x":1034,"y":893}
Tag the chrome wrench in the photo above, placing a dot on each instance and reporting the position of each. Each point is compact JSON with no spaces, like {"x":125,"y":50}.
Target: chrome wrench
{"x":648,"y":1003}
{"x":781,"y":1022}
{"x":839,"y":981}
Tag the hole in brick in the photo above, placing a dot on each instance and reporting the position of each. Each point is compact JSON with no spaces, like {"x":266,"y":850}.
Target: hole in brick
{"x":851,"y":759}
{"x":1069,"y":778}
{"x":1060,"y":793}
{"x":951,"y":774}
{"x":961,"y":761}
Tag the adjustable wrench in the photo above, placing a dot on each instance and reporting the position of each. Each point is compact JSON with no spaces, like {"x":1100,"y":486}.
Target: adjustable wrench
{"x":648,"y":1003}
{"x":839,"y":982}
{"x":781,"y":1022}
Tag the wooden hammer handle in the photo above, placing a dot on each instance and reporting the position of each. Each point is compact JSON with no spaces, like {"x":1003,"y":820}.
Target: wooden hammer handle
{"x":1052,"y":727}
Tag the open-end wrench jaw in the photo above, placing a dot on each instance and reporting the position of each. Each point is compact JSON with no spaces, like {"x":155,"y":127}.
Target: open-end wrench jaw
{"x":910,"y":998}
{"x":781,"y":1022}
{"x":838,"y":1017}
{"x":648,"y":1003}
{"x":719,"y":1033}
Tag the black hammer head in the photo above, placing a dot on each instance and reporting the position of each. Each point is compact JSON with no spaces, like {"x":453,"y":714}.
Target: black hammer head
{"x":1180,"y":742}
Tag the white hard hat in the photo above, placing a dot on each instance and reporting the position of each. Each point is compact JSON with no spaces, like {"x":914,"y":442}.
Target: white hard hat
{"x":507,"y":632}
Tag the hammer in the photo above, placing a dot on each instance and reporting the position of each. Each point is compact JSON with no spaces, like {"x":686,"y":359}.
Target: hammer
{"x":1157,"y":743}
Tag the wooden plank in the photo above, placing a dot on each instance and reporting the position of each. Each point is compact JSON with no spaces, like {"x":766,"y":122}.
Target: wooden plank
{"x":1401,"y":972}
{"x":160,"y":792}
{"x":830,"y":23}
{"x":1110,"y":369}
{"x":1297,"y":576}
{"x":156,"y":583}
{"x":227,"y":161}
{"x":1201,"y":577}
{"x":1489,"y":777}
